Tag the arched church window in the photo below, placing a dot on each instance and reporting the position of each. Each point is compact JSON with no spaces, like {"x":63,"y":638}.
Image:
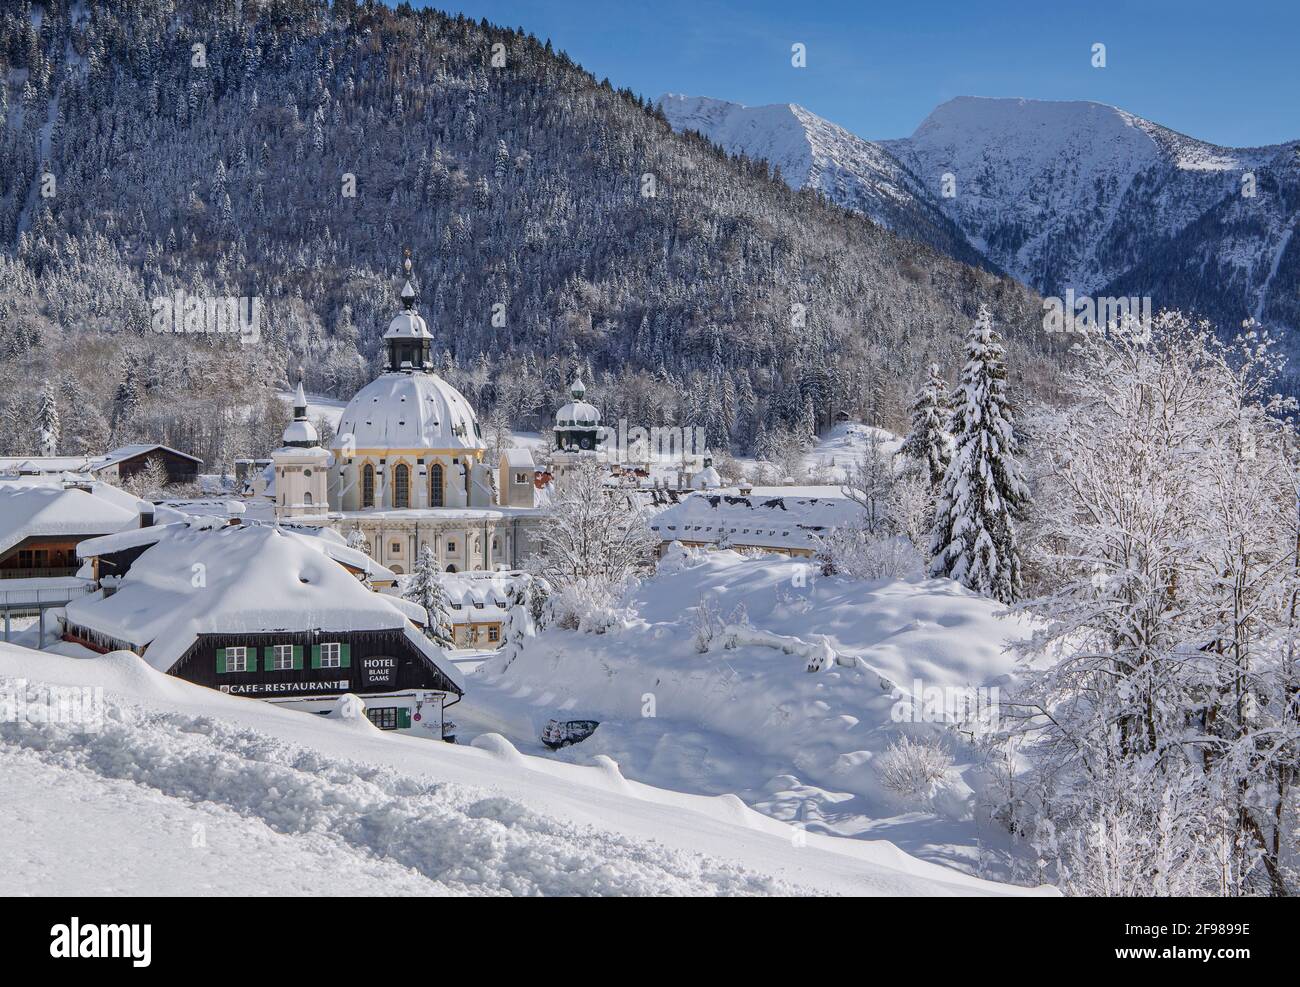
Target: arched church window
{"x":402,"y":486}
{"x":435,"y":486}
{"x":306,"y":497}
{"x":368,"y":486}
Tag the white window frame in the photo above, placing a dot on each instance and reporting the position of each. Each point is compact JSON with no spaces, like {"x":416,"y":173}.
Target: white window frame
{"x":239,"y":654}
{"x":282,"y":650}
{"x":331,"y":655}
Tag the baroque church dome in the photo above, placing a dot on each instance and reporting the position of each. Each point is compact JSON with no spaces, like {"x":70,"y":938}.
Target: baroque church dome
{"x":409,"y":407}
{"x":408,"y":410}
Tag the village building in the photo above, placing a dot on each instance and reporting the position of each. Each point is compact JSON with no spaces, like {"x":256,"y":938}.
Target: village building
{"x":478,"y":605}
{"x":785,"y":520}
{"x":42,"y":518}
{"x":116,"y":466}
{"x":266,"y":612}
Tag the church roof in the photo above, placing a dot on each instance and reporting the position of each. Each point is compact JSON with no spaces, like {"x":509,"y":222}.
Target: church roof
{"x":408,"y":411}
{"x":577,"y":413}
{"x":408,"y":324}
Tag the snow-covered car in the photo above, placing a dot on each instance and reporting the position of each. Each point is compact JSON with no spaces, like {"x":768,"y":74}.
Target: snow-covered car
{"x":562,"y":733}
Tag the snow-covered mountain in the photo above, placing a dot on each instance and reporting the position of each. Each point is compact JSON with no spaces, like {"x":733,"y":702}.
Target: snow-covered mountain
{"x":1059,"y":194}
{"x":1080,"y":194}
{"x":811,"y":152}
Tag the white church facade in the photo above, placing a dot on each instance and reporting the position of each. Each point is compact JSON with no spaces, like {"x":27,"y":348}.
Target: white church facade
{"x":408,"y":468}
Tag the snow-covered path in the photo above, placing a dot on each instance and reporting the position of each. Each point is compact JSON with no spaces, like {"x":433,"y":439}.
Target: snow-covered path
{"x":288,"y":803}
{"x":1282,"y":243}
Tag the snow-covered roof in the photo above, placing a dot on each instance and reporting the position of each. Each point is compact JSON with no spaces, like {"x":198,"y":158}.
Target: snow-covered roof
{"x":254,"y":578}
{"x":772,"y":517}
{"x":408,"y":325}
{"x":324,"y":540}
{"x":577,"y":414}
{"x":84,"y":464}
{"x":477,"y":596}
{"x":518,"y":458}
{"x":300,"y":433}
{"x":404,"y":410}
{"x":138,"y":449}
{"x":28,"y":510}
{"x":47,"y":464}
{"x":706,"y":479}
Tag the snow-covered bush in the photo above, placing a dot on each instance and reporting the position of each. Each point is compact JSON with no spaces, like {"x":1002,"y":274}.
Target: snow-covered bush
{"x":854,"y":552}
{"x":591,"y":605}
{"x":707,"y":623}
{"x":913,"y":769}
{"x":673,"y":558}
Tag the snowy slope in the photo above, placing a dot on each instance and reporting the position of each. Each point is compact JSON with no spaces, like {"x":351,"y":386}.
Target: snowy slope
{"x":814,"y":153}
{"x":751,"y":719}
{"x":181,"y":790}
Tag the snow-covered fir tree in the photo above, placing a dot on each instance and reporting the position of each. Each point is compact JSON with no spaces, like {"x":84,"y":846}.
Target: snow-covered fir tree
{"x":425,"y":588}
{"x":929,"y":444}
{"x":49,"y":421}
{"x":974,"y":539}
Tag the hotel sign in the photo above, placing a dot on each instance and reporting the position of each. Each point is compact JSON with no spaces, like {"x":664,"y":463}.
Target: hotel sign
{"x":378,"y":672}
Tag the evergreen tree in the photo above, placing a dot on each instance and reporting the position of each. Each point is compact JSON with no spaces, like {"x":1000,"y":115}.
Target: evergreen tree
{"x":49,"y":421}
{"x":929,"y":444}
{"x":974,"y":538}
{"x":425,"y":589}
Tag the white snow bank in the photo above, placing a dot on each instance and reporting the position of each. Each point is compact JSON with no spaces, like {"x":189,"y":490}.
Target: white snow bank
{"x":436,"y":818}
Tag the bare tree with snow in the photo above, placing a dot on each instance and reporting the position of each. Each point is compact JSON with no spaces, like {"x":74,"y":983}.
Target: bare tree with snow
{"x":1163,"y":732}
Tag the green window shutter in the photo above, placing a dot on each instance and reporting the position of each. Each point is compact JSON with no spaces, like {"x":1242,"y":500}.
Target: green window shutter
{"x":221,"y":661}
{"x":404,"y":718}
{"x":315,"y":656}
{"x":268,"y":658}
{"x":297,"y":656}
{"x":345,"y":655}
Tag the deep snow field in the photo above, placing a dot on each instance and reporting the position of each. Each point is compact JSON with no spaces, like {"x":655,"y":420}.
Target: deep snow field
{"x":751,"y":720}
{"x":184,"y":791}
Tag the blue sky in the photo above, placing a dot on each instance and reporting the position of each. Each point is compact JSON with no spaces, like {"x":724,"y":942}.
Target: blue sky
{"x":1228,"y":73}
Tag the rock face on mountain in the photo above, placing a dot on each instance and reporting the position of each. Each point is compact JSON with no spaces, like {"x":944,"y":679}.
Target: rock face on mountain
{"x":810,"y":152}
{"x":1059,"y":194}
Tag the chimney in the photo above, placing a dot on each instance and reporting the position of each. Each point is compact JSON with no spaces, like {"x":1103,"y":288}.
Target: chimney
{"x":146,"y":515}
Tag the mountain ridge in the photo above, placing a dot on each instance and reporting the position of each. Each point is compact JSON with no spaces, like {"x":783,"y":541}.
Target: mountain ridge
{"x":1069,"y":194}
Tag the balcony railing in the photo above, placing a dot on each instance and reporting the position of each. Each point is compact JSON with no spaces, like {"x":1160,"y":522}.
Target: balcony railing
{"x":46,"y":573}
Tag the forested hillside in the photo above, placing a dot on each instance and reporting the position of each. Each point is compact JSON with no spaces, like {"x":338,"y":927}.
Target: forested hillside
{"x":151,"y":146}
